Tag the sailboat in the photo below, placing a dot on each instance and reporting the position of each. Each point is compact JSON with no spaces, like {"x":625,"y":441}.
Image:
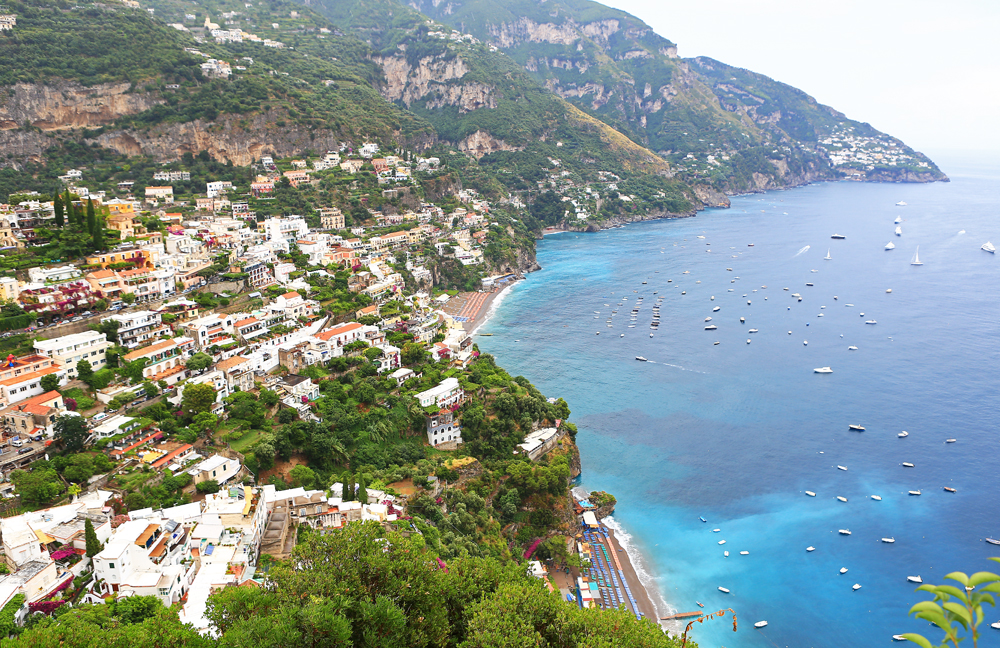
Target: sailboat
{"x":899,"y":231}
{"x":828,"y":257}
{"x":989,"y":247}
{"x":890,"y":245}
{"x":916,"y":258}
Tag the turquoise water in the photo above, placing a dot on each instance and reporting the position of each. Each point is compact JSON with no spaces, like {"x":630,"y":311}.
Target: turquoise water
{"x":737,"y":432}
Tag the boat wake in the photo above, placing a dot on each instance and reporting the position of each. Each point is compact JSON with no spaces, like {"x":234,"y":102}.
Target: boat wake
{"x":639,"y":564}
{"x":803,"y":250}
{"x":667,"y":364}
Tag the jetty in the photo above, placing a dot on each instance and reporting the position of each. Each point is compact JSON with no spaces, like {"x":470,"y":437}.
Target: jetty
{"x":682,"y":615}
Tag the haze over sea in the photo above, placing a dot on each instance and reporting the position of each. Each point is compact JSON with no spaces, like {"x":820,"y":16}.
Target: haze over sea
{"x":738,"y":432}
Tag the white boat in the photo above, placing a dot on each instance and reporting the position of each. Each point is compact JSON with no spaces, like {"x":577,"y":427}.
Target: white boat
{"x":842,"y":467}
{"x":856,"y":427}
{"x":810,"y":494}
{"x":828,"y":257}
{"x":916,"y":257}
{"x":723,"y":590}
{"x":843,"y":570}
{"x":995,"y":626}
{"x":717,"y":309}
{"x":711,"y":327}
{"x":899,"y":231}
{"x":640,"y":359}
{"x":810,"y":548}
{"x":907,"y":464}
{"x":915,"y":579}
{"x":901,"y":204}
{"x":992,"y":541}
{"x":872,"y":322}
{"x":899,"y":219}
{"x":898,"y":638}
{"x":744,"y":553}
{"x":760,"y":624}
{"x":888,"y":290}
{"x":949,"y":440}
{"x":855,"y":587}
{"x":752,"y":331}
{"x":722,"y":542}
{"x":903,"y":434}
{"x":725,"y":553}
{"x":842,"y":499}
{"x":852,"y":348}
{"x":845,"y":532}
{"x":805,"y":342}
{"x":822,"y":370}
{"x":913,"y":492}
{"x":708,"y":319}
{"x":716,"y":530}
{"x":877,"y":498}
{"x":888,"y":540}
{"x":890,"y":246}
{"x":989,"y":247}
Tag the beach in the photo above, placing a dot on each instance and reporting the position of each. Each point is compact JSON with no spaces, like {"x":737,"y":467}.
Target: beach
{"x":473,"y":309}
{"x":638,"y":588}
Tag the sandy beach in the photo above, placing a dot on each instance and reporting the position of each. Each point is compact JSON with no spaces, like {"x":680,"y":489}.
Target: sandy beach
{"x":639,"y":592}
{"x":474,"y":307}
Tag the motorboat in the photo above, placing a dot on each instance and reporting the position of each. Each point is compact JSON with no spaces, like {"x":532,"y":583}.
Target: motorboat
{"x":708,"y":319}
{"x":888,"y":291}
{"x":903,"y":434}
{"x":805,"y":342}
{"x":723,"y":590}
{"x":916,"y":258}
{"x":898,"y":638}
{"x":901,"y":204}
{"x":810,"y":494}
{"x":752,"y":331}
{"x":890,"y":246}
{"x":717,"y":309}
{"x":716,"y":343}
{"x":843,"y":570}
{"x":845,"y":532}
{"x":950,"y":489}
{"x":744,"y":553}
{"x":907,"y":464}
{"x":888,"y":540}
{"x":899,"y":231}
{"x":760,"y":624}
{"x":995,"y":626}
{"x":915,"y":579}
{"x":722,"y":542}
{"x":700,"y":604}
{"x":841,"y":498}
{"x":711,"y":327}
{"x":640,"y":359}
{"x":872,"y":322}
{"x":809,"y":549}
{"x":748,"y":340}
{"x":716,"y":530}
{"x":703,"y":519}
{"x":877,"y":498}
{"x":842,"y":467}
{"x":856,"y":428}
{"x":852,"y":348}
{"x":838,"y":236}
{"x":949,"y":440}
{"x":914,"y":492}
{"x":899,"y":219}
{"x":725,"y":553}
{"x":743,"y":320}
{"x":823,"y":370}
{"x":992,"y":541}
{"x":855,"y":587}
{"x":989,"y":247}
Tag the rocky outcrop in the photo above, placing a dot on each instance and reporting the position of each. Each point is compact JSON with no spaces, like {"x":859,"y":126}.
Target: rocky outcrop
{"x":21,"y":146}
{"x":482,"y":143}
{"x":69,"y":105}
{"x":431,"y":79}
{"x":710,"y":196}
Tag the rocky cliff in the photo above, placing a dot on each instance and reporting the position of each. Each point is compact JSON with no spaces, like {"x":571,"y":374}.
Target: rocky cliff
{"x":69,"y":105}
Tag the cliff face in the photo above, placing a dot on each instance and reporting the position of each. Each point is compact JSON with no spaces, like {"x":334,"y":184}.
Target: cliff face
{"x":431,"y":79}
{"x":70,"y":105}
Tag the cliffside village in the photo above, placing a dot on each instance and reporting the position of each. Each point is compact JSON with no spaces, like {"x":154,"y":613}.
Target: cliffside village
{"x":184,"y":553}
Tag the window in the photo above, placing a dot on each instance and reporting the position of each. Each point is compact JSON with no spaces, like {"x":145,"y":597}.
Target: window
{"x":111,"y":565}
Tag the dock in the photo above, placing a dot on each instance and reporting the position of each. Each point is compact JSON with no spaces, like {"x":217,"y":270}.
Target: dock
{"x":682,"y":615}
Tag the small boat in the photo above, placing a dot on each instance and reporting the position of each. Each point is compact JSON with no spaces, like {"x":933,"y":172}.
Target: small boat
{"x":716,"y":343}
{"x":888,"y":540}
{"x":877,"y":498}
{"x":915,"y":579}
{"x":890,"y":246}
{"x":717,"y":309}
{"x":989,"y":247}
{"x":828,"y":257}
{"x":711,"y":327}
{"x":907,"y":464}
{"x":723,"y":590}
{"x":823,"y":370}
{"x":899,"y":219}
{"x":992,"y":541}
{"x":760,"y":624}
{"x":641,"y":359}
{"x":716,"y":530}
{"x":622,"y":335}
{"x":749,"y":244}
{"x":899,"y":231}
{"x":856,"y":428}
{"x":872,"y":322}
{"x":700,"y":604}
{"x":903,"y":434}
{"x":898,"y":638}
{"x":713,"y":298}
{"x":842,"y":467}
{"x":901,"y":204}
{"x":744,"y":553}
{"x":838,"y":236}
{"x":748,"y":340}
{"x":916,"y":258}
{"x":810,"y":494}
{"x":703,"y":519}
{"x":752,"y":331}
{"x":852,"y":348}
{"x":684,"y":292}
{"x":949,"y":440}
{"x":914,"y":492}
{"x":805,"y":342}
{"x":725,"y":553}
{"x":843,"y":570}
{"x":729,"y":269}
{"x":708,"y":319}
{"x":748,"y":302}
{"x":722,"y":542}
{"x":845,"y":532}
{"x":743,"y":320}
{"x":995,"y":626}
{"x":888,"y":291}
{"x":855,"y":587}
{"x":842,"y":499}
{"x":810,"y":548}
{"x":949,"y":489}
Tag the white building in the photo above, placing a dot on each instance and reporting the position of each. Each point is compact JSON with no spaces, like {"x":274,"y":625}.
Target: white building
{"x":218,"y":468}
{"x":214,"y":189}
{"x":61,"y":274}
{"x":446,"y":394}
{"x":71,"y":349}
{"x":137,"y":327}
{"x":143,"y":558}
{"x":285,"y":231}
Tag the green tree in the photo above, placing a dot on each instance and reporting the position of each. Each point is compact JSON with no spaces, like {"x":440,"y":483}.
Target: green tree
{"x":268,"y":397}
{"x":57,"y":206}
{"x":72,"y":432}
{"x":110,"y":328}
{"x":91,"y":217}
{"x":133,"y":370}
{"x":40,"y":486}
{"x":49,"y":382}
{"x":136,"y":609}
{"x":197,"y":398}
{"x":90,"y":535}
{"x":129,"y":298}
{"x":287,"y":415}
{"x":302,"y":476}
{"x":152,"y":391}
{"x":210,"y":486}
{"x":413,"y":354}
{"x":85,"y":371}
{"x":199,"y":361}
{"x":205,"y":423}
{"x":956,"y":606}
{"x":362,"y":490}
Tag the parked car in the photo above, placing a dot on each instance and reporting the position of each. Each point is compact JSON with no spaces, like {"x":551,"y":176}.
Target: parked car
{"x":100,"y":417}
{"x":25,"y":451}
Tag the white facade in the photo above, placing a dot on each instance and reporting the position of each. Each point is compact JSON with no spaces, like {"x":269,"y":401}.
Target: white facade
{"x":71,"y":349}
{"x":136,"y":327}
{"x":445,"y":394}
{"x":218,"y":468}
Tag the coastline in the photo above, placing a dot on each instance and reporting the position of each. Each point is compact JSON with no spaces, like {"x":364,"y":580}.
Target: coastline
{"x":488,"y":308}
{"x":635,"y":566}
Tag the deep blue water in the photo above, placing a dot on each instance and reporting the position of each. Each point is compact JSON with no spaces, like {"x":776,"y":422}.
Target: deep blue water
{"x":737,"y":432}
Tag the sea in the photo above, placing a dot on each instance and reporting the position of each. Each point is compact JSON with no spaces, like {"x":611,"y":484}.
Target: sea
{"x":737,"y":432}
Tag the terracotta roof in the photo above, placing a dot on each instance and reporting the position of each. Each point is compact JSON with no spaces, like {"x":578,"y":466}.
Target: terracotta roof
{"x":145,"y":351}
{"x":304,"y":242}
{"x":102,"y":274}
{"x":244,"y":322}
{"x":329,"y":333}
{"x":369,"y":309}
{"x":165,"y":459}
{"x":290,"y":295}
{"x":230,"y":363}
{"x":146,"y":535}
{"x":17,"y":380}
{"x":40,"y":404}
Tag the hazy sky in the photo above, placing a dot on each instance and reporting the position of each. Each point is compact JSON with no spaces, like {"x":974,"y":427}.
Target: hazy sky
{"x":926,"y":72}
